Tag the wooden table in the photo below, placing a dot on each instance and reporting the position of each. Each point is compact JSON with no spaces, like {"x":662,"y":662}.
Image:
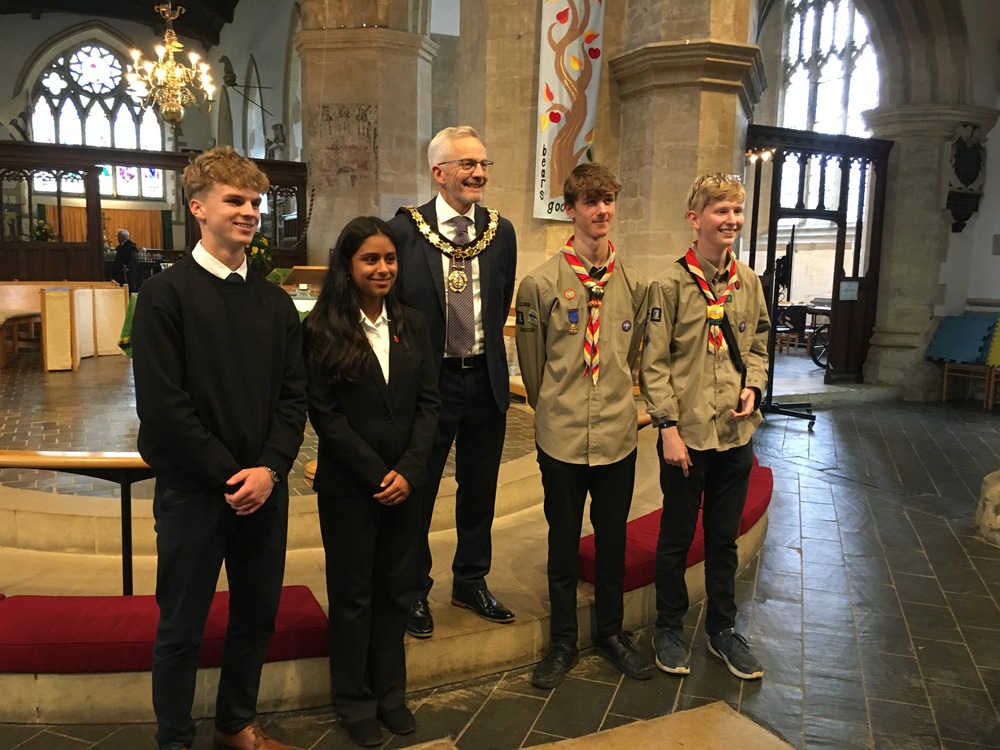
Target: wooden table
{"x":121,"y":467}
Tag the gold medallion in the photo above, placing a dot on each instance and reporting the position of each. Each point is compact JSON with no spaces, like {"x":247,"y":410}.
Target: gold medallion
{"x":457,"y":280}
{"x":574,"y":328}
{"x":715,"y":312}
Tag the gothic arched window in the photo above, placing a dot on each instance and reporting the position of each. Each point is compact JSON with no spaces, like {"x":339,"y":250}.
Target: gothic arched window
{"x":830,"y":71}
{"x":81,"y":98}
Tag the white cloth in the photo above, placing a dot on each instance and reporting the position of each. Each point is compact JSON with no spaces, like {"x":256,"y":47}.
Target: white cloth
{"x":213,"y":265}
{"x":378,"y":337}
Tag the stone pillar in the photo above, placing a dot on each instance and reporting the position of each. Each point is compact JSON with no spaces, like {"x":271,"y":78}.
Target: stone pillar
{"x":914,"y":240}
{"x":988,"y":513}
{"x":687,"y":82}
{"x":366,"y":112}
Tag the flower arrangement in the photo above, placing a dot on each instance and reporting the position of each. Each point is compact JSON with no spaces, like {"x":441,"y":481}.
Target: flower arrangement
{"x":43,"y":231}
{"x":259,"y":254}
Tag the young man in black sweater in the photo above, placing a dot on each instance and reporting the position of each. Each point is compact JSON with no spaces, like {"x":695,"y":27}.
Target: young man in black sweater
{"x":220,"y":392}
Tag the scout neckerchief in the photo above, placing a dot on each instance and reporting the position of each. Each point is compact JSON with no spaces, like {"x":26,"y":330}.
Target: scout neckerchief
{"x":457,"y":279}
{"x":716,"y":310}
{"x":595,"y":293}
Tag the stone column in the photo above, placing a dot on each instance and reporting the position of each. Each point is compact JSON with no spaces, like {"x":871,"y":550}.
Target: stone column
{"x":914,"y":240}
{"x":988,"y":512}
{"x":366,"y":112}
{"x":687,"y":82}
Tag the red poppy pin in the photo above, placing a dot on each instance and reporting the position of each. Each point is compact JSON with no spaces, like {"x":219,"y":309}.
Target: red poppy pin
{"x":396,"y":339}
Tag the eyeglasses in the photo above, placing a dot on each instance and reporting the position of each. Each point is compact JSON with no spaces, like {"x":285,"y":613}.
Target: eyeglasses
{"x":469,"y":165}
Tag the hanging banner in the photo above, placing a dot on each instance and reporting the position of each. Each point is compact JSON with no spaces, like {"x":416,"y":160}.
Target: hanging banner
{"x":569,"y":72}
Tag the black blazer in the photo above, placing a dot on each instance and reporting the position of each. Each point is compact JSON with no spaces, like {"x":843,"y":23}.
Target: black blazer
{"x":366,"y":428}
{"x":421,"y":284}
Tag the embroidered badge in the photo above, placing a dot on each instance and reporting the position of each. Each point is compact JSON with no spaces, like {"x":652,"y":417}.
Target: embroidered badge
{"x":737,"y":283}
{"x":627,"y":325}
{"x":655,"y":314}
{"x":520,"y":317}
{"x":570,"y":294}
{"x":742,"y":326}
{"x":532,"y":317}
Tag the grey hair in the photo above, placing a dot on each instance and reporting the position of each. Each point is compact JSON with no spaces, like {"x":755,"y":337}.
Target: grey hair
{"x":123,"y":233}
{"x":446,"y":136}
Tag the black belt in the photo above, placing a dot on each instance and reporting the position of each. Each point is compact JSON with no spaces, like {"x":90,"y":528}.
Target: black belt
{"x":465,"y":363}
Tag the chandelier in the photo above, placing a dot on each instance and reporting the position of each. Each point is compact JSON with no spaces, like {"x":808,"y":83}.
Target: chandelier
{"x":168,"y":84}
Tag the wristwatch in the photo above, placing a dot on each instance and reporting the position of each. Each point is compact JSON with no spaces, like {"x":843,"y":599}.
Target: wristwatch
{"x":665,"y":423}
{"x":275,"y":476}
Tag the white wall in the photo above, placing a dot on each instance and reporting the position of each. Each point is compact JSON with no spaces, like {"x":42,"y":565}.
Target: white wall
{"x":972,"y":270}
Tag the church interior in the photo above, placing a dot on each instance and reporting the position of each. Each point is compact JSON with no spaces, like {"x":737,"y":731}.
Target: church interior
{"x":869,"y":588}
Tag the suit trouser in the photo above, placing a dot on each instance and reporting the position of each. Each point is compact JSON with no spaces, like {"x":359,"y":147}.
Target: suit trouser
{"x":469,"y":417}
{"x":566,"y":487}
{"x":723,"y":477}
{"x":370,"y":551}
{"x":196,"y":532}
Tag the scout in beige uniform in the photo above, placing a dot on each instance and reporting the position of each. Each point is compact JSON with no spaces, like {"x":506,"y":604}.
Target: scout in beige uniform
{"x":703,"y":369}
{"x":580,"y":320}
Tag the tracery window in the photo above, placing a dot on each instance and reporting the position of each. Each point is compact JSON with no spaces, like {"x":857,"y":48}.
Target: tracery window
{"x":831,"y":75}
{"x":82,"y":98}
{"x":830,"y":78}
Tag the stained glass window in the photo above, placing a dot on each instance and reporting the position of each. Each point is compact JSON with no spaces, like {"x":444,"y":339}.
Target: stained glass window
{"x":81,"y":97}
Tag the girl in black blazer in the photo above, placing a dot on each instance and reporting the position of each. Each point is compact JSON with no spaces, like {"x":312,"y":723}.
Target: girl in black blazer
{"x":373,"y":400}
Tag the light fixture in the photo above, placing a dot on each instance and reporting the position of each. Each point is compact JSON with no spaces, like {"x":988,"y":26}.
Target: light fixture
{"x":166,"y":83}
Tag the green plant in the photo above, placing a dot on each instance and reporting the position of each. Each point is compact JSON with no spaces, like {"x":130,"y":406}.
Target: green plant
{"x":259,"y":254}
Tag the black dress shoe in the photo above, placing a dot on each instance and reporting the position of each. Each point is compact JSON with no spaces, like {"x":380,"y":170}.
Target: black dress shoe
{"x":620,"y":651}
{"x":483,"y":603}
{"x":420,"y":624}
{"x":551,"y":670}
{"x":366,"y":732}
{"x":398,"y":720}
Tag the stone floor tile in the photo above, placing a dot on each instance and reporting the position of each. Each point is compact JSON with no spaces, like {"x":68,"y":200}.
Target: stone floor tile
{"x":576,"y":708}
{"x":504,"y":722}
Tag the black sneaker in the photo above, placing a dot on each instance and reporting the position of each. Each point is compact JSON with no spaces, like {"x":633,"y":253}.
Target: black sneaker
{"x":620,"y":651}
{"x":552,"y":669}
{"x":671,"y":650}
{"x":732,"y":648}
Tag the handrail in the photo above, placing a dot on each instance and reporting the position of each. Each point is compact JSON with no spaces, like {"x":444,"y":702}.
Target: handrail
{"x":122,"y":467}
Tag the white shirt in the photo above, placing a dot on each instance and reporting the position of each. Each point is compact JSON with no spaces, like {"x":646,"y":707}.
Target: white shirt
{"x":213,"y":265}
{"x":378,"y":337}
{"x":445,"y":213}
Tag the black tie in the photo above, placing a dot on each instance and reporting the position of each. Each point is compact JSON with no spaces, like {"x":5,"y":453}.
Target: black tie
{"x":235,"y":278}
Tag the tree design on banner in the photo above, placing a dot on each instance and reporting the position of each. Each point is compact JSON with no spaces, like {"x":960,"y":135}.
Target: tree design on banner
{"x":569,"y":75}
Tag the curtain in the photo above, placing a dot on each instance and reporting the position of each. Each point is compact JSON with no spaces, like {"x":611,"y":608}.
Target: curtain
{"x":145,"y":227}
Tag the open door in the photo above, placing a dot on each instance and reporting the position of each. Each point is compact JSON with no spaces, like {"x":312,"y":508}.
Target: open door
{"x":832,"y":188}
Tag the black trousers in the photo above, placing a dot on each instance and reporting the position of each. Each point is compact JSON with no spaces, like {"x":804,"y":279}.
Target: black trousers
{"x":566,"y":487}
{"x":470,"y":419}
{"x":723,"y":477}
{"x":370,"y":552}
{"x":196,"y":532}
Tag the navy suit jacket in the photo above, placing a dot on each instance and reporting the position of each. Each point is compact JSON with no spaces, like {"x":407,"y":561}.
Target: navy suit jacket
{"x":367,"y":427}
{"x":421,"y":284}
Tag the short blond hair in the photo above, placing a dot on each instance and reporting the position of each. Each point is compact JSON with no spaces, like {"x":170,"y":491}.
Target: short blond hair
{"x":445,"y":136}
{"x":222,"y":166}
{"x":715,"y":187}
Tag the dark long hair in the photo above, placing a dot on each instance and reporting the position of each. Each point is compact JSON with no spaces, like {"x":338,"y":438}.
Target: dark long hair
{"x":333,"y":332}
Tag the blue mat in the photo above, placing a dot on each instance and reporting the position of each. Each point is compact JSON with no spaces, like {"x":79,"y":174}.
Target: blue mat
{"x":964,"y":339}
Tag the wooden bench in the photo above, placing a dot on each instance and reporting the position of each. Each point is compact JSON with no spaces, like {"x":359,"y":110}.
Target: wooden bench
{"x":23,"y":317}
{"x":122,"y":467}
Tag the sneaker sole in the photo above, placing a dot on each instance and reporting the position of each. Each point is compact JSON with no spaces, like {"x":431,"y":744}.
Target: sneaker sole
{"x":664,"y":668}
{"x":742,"y":675}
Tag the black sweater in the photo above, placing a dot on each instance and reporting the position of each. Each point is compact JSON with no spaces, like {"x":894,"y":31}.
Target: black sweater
{"x":219,"y":377}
